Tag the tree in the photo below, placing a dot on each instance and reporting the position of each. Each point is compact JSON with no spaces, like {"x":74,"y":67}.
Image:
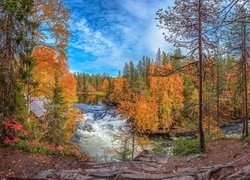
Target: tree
{"x":238,"y":44}
{"x":68,"y":85}
{"x":159,"y":58}
{"x":53,"y":16}
{"x":188,"y":24}
{"x":167,"y":93}
{"x":55,"y":118}
{"x":105,"y":85}
{"x":16,"y":30}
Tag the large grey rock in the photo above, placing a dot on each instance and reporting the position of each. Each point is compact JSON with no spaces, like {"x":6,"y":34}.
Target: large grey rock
{"x":37,"y":106}
{"x":149,"y":156}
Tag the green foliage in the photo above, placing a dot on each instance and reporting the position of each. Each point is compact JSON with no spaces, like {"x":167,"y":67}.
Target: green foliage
{"x":186,"y":146}
{"x":161,"y":146}
{"x":55,"y":117}
{"x":20,"y":102}
{"x":90,"y":83}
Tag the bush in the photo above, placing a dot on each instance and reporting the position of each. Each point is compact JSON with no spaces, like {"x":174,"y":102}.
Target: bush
{"x":45,"y":148}
{"x":185,"y":146}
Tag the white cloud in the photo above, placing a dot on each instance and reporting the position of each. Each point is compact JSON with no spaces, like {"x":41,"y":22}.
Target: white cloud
{"x":132,"y":35}
{"x":89,"y":40}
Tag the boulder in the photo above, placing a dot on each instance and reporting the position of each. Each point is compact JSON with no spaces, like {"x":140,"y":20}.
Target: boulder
{"x":150,"y":156}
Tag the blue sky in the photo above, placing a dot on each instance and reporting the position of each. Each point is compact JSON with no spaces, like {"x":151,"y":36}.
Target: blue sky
{"x":108,"y":33}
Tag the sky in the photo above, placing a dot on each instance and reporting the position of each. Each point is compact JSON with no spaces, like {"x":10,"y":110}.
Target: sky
{"x":108,"y":33}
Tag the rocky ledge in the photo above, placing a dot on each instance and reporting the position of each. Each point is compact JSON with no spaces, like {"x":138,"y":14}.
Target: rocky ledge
{"x":150,"y":165}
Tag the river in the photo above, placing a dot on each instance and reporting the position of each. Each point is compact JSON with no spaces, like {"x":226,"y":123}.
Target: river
{"x":104,"y":135}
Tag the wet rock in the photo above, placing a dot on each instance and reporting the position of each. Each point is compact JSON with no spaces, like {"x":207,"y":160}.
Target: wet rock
{"x":149,"y":156}
{"x":196,"y":157}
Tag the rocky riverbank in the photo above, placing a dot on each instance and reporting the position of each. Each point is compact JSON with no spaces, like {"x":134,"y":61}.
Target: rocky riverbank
{"x":224,"y":159}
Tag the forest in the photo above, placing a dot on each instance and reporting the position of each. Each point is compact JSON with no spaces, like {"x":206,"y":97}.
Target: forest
{"x":199,"y":87}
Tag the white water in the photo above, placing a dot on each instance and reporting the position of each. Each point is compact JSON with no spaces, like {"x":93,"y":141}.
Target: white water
{"x":102,"y":133}
{"x":96,"y":135}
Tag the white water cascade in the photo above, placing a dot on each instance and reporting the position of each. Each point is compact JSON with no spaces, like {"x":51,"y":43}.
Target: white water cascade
{"x":96,"y":135}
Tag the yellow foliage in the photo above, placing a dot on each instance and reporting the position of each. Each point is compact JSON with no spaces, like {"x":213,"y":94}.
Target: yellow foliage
{"x":105,"y":86}
{"x":73,"y":114}
{"x":167,"y":91}
{"x":44,"y":72}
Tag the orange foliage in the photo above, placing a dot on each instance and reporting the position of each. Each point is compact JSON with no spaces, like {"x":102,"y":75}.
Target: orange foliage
{"x":47,"y":64}
{"x":68,"y":84}
{"x":73,"y":114}
{"x":120,"y":91}
{"x":44,"y":70}
{"x":167,"y":91}
{"x":105,"y":85}
{"x":143,"y":113}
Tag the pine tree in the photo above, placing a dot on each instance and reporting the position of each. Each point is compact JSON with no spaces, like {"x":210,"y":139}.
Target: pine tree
{"x":55,"y":118}
{"x":187,"y":24}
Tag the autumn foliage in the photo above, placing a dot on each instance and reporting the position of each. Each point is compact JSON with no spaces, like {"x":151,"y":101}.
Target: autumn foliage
{"x":157,"y":110}
{"x":12,"y":131}
{"x":47,"y":63}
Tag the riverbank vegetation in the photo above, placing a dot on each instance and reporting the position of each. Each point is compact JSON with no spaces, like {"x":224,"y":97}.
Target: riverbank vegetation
{"x":34,"y":70}
{"x":198,"y":87}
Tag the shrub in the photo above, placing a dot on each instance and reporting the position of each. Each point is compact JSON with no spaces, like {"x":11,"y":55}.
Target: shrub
{"x":12,"y":131}
{"x":185,"y":146}
{"x":35,"y":146}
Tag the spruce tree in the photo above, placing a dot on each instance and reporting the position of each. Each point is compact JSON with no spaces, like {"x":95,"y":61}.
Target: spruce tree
{"x":55,"y":118}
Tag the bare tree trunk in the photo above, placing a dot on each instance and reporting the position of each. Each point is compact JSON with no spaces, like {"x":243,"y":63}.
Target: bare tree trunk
{"x":218,"y":96}
{"x":202,"y":141}
{"x":245,"y":77}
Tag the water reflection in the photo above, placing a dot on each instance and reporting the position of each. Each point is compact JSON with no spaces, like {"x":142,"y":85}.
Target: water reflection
{"x":90,"y":99}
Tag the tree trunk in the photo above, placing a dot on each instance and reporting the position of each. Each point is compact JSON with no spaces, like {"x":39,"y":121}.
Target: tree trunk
{"x":245,"y":79}
{"x":202,"y":141}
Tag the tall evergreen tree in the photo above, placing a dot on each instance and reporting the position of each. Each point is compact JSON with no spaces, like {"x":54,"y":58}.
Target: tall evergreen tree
{"x":55,"y":117}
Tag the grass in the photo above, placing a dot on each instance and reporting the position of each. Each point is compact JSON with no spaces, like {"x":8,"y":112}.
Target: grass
{"x":185,"y":147}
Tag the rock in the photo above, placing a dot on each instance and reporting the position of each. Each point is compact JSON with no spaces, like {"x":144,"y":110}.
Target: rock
{"x":186,"y":170}
{"x":149,"y":156}
{"x":246,"y":145}
{"x":73,"y":174}
{"x":140,"y":175}
{"x":196,"y":157}
{"x":44,"y":174}
{"x":182,"y":178}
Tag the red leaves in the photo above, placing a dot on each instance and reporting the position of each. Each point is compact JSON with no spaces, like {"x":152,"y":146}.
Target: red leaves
{"x":6,"y":140}
{"x":11,"y":127}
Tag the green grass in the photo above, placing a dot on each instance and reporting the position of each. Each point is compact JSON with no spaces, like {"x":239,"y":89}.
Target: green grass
{"x":185,"y":146}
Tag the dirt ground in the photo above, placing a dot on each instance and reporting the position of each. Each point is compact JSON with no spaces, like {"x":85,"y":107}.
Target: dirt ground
{"x":14,"y":163}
